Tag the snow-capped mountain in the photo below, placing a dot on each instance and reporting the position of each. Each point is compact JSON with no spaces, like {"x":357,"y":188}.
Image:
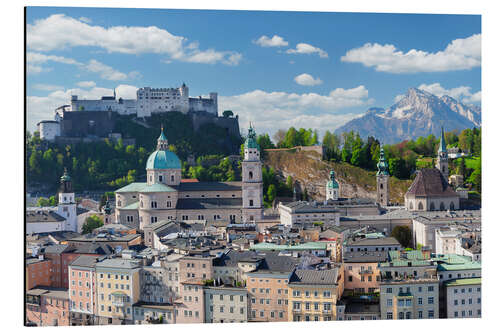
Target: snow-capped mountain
{"x":418,"y":113}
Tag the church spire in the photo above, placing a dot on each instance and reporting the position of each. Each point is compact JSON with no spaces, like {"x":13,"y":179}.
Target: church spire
{"x":162,"y":141}
{"x":442,"y":142}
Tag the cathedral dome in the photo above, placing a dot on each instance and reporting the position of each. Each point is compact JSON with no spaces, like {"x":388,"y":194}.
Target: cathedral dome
{"x":163,"y":159}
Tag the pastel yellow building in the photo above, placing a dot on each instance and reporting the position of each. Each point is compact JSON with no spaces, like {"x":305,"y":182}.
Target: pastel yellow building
{"x":313,"y":294}
{"x":118,"y":288}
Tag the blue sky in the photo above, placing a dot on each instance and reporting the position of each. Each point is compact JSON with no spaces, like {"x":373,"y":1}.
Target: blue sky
{"x":320,"y":69}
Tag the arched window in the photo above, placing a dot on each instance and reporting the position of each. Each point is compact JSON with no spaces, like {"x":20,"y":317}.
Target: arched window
{"x":250,"y":175}
{"x":420,"y":206}
{"x":432,"y":206}
{"x":452,"y":206}
{"x":381,"y":186}
{"x":441,"y":206}
{"x":172,"y":178}
{"x":411,"y":205}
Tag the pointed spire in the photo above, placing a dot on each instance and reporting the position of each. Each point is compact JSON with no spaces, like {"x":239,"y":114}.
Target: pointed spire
{"x":162,"y":141}
{"x":442,"y":142}
{"x":382,"y":166}
{"x":251,"y":141}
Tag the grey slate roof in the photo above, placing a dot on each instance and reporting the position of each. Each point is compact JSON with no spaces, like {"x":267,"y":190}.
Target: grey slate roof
{"x":57,"y":249}
{"x":209,"y":186}
{"x":118,"y":263}
{"x":276,"y":263}
{"x":431,"y":183}
{"x":209,"y":203}
{"x":93,"y":248}
{"x":41,"y":215}
{"x":232,"y":258}
{"x":322,"y":277}
{"x":85,"y":261}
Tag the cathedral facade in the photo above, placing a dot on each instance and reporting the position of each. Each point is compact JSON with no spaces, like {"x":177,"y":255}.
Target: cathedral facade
{"x":165,"y":196}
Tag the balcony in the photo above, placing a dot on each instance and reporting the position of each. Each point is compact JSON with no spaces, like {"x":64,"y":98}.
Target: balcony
{"x":297,"y":310}
{"x":365,"y":271}
{"x":327,"y":311}
{"x":119,"y":299}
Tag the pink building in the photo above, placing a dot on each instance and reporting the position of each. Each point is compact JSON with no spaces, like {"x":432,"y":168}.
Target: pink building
{"x":190,"y":308}
{"x":361,"y":271}
{"x":47,"y":306}
{"x":196,"y":267}
{"x":83,"y":289}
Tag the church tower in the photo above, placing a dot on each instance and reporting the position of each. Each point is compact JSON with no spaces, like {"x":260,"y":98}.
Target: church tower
{"x":442,"y":157}
{"x":382,"y":179}
{"x":332,"y":187}
{"x":252,"y":186}
{"x":67,"y":204}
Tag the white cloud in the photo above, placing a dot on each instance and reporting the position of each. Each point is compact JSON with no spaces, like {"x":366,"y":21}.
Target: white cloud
{"x":59,"y":31}
{"x":304,"y":48}
{"x":35,"y":60}
{"x":211,"y":56}
{"x":47,"y":87}
{"x":42,"y":107}
{"x":126,"y":91}
{"x":86,"y":84}
{"x":105,"y":72}
{"x":460,"y":54}
{"x":275,"y":41}
{"x":307,"y":80}
{"x":268,"y":110}
{"x":462,"y":93}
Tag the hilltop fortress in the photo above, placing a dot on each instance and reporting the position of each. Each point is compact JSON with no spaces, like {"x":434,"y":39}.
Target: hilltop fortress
{"x":89,"y":118}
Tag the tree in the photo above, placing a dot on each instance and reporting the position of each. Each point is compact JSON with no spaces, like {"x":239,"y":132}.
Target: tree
{"x":92,"y":222}
{"x":227,"y":113}
{"x":264,"y":141}
{"x":279,"y":138}
{"x":403,"y":234}
{"x":43,"y":202}
{"x":271,"y":193}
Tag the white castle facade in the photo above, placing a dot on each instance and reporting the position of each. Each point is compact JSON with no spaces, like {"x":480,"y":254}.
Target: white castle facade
{"x":148,"y":101}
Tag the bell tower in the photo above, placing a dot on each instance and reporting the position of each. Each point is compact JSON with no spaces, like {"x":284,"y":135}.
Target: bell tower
{"x":67,"y":204}
{"x":332,"y":187}
{"x":252,"y":186}
{"x":382,"y":179}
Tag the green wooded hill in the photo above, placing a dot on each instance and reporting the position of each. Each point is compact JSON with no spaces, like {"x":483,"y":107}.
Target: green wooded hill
{"x":109,"y":165}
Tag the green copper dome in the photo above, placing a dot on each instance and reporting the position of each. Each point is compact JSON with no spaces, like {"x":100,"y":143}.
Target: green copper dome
{"x":382,"y":165}
{"x":332,"y":183}
{"x":163,"y":159}
{"x":251,"y":141}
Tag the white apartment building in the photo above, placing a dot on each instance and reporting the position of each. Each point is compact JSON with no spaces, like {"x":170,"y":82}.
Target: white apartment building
{"x":463,"y":298}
